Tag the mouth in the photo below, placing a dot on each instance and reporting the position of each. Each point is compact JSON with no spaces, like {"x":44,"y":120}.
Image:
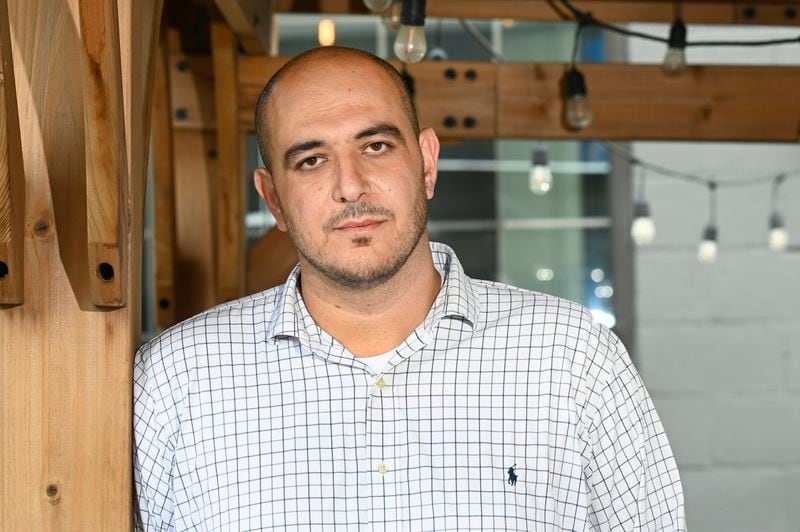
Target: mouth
{"x":359,"y":226}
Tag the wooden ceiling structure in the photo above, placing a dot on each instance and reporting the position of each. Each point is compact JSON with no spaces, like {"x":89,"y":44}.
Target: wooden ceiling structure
{"x":82,"y":83}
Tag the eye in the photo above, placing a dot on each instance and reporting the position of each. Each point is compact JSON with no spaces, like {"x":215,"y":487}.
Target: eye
{"x":310,"y":163}
{"x":377,"y":147}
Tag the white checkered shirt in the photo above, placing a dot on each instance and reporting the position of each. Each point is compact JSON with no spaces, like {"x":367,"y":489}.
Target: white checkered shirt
{"x":504,"y":410}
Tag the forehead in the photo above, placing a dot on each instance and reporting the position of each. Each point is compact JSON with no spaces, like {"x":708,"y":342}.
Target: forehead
{"x":334,"y":93}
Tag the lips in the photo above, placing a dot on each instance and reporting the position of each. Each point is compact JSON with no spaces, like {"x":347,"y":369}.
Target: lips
{"x":354,"y":226}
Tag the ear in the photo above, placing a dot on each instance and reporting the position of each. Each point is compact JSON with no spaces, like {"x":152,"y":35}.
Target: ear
{"x":429,"y":146}
{"x":265,"y":185}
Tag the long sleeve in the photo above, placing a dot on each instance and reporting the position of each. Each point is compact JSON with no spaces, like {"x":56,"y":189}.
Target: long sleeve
{"x":153,"y":445}
{"x":633,"y":477}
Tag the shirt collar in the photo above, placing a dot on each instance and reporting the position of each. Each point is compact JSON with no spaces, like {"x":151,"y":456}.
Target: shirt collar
{"x":456,"y":299}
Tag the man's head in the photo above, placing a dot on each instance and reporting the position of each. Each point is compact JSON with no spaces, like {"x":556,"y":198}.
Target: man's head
{"x":331,"y":52}
{"x":348,"y":172}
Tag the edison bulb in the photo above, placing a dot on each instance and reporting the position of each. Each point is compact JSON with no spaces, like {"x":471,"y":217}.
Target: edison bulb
{"x":707,"y":251}
{"x":674,"y":61}
{"x":410,"y":45}
{"x":778,"y":239}
{"x":377,"y":6}
{"x":643,"y":230}
{"x":391,"y":17}
{"x":579,"y":112}
{"x":540,"y":179}
{"x":326,"y":32}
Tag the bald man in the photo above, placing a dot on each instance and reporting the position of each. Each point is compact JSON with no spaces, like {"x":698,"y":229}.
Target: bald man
{"x":380,"y":388}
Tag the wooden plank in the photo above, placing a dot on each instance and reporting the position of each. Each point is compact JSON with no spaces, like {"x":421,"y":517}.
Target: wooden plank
{"x":721,"y":103}
{"x":164,"y":189}
{"x":231,"y":181}
{"x":251,"y":21}
{"x":65,"y":373}
{"x":106,"y":152}
{"x":743,"y":103}
{"x":12,"y":177}
{"x":457,"y":99}
{"x":195,"y":250}
{"x":759,"y":12}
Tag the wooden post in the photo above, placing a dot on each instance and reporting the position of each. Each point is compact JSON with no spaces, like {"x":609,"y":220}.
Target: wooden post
{"x":12,"y":178}
{"x":164,"y":188}
{"x":65,"y":367}
{"x":195,"y":152}
{"x":230,"y":197}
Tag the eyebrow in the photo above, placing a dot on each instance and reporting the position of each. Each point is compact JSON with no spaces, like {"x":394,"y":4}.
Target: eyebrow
{"x":381,"y":129}
{"x":299,"y":148}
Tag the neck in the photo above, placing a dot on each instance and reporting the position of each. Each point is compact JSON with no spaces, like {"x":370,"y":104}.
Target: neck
{"x":373,"y":321}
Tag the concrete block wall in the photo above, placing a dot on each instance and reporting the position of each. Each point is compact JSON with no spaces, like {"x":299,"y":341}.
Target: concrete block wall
{"x":719,"y":344}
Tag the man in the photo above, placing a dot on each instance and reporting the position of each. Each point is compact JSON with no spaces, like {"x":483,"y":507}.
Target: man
{"x":381,"y":388}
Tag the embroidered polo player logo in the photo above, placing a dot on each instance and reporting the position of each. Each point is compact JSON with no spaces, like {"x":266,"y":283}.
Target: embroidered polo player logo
{"x":512,"y":477}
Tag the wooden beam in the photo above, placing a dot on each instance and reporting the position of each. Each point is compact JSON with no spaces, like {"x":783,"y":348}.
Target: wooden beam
{"x":524,"y":100}
{"x":251,"y":21}
{"x":753,"y":12}
{"x":231,"y":182}
{"x":720,"y":103}
{"x":164,"y":189}
{"x":106,"y":152}
{"x":12,"y":177}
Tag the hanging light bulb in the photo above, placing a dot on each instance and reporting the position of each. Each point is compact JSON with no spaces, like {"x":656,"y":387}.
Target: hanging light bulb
{"x":778,"y":235}
{"x":438,"y":53}
{"x":410,"y":45}
{"x":541,"y":177}
{"x":675,"y":60}
{"x":643,"y":229}
{"x":391,"y":16}
{"x":707,"y":251}
{"x":378,"y":6}
{"x":578,"y":111}
{"x":326,"y":32}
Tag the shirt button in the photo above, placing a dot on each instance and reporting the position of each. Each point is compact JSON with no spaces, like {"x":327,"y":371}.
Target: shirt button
{"x":381,"y":383}
{"x":382,"y":469}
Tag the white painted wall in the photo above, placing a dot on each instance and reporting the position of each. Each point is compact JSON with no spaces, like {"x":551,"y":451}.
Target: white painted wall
{"x":719,"y":344}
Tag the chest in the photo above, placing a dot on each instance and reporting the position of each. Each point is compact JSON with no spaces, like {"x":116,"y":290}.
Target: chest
{"x":455,"y":438}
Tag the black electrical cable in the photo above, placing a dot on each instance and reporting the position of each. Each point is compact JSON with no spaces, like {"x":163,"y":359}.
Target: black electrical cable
{"x":586,"y":18}
{"x":691,"y":178}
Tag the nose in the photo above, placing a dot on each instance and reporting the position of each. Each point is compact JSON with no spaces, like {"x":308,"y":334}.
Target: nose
{"x":351,"y":181}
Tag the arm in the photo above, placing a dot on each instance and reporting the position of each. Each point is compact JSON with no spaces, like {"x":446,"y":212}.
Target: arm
{"x":633,"y":479}
{"x":153,"y":450}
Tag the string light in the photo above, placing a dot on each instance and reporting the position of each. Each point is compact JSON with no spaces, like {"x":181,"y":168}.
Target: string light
{"x":643,"y":229}
{"x":778,"y":236}
{"x":326,"y":32}
{"x":391,"y":16}
{"x":410,"y":44}
{"x":540,"y":178}
{"x":578,"y":112}
{"x":378,"y":6}
{"x":438,"y":53}
{"x":675,"y":60}
{"x":707,"y":251}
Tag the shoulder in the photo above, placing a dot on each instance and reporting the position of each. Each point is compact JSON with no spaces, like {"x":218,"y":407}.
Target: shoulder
{"x":241,"y":320}
{"x":567,"y":329}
